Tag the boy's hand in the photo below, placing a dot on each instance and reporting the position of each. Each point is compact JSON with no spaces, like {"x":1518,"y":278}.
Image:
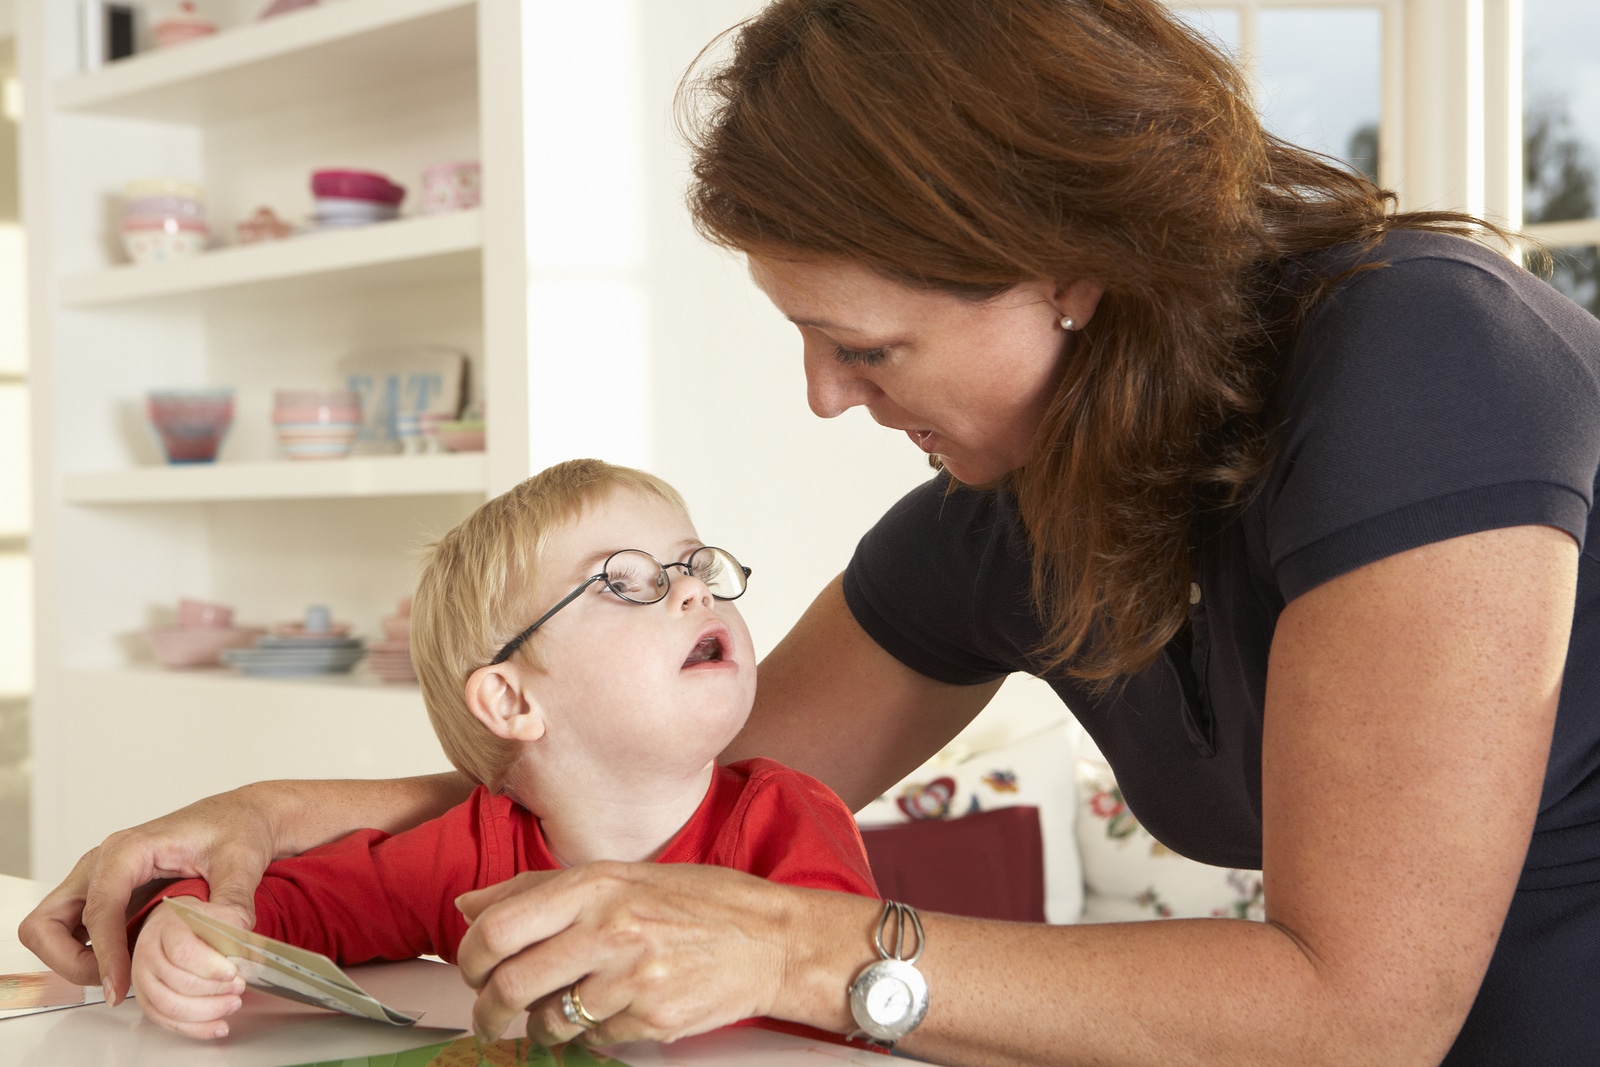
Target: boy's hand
{"x":183,"y":983}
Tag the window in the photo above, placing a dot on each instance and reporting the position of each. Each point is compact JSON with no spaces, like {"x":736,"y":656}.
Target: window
{"x":1317,"y":65}
{"x":1561,"y":140}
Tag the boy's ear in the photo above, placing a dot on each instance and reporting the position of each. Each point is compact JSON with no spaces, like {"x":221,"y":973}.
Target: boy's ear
{"x":497,"y":695}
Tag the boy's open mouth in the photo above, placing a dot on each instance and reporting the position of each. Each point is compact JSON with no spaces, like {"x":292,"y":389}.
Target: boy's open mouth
{"x":707,"y":650}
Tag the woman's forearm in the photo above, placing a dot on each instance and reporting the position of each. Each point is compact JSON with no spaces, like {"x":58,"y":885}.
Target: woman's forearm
{"x":305,"y":813}
{"x":1175,"y":992}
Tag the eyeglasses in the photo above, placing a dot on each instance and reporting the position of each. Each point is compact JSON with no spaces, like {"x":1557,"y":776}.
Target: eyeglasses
{"x":639,"y":578}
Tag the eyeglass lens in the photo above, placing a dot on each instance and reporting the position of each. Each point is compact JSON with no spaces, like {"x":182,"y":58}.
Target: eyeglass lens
{"x":637,"y":576}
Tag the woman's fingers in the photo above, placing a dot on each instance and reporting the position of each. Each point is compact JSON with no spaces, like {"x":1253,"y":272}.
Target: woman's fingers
{"x":222,"y":839}
{"x":658,"y":951}
{"x":510,"y":916}
{"x":472,"y":903}
{"x":53,"y":931}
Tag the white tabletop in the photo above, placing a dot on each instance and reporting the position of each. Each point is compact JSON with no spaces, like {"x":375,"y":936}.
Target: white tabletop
{"x":271,"y":1032}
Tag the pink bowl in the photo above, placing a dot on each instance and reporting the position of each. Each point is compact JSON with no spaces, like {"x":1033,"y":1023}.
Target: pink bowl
{"x":191,"y":425}
{"x":197,"y":613}
{"x":316,"y":406}
{"x":199,"y":646}
{"x":356,"y":185}
{"x":318,"y":415}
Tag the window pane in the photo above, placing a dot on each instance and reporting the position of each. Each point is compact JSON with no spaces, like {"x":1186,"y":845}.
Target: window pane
{"x":14,"y":480}
{"x":1576,"y":272}
{"x":1321,"y":79}
{"x":1221,"y":24}
{"x":1561,"y":110}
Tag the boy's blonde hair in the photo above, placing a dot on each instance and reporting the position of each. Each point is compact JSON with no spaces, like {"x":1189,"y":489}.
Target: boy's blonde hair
{"x":476,"y":592}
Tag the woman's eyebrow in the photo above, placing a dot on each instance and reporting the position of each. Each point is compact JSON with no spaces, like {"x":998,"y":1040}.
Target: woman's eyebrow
{"x":817,"y":324}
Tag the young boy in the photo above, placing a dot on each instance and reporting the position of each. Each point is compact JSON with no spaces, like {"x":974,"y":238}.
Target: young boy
{"x":587,"y":688}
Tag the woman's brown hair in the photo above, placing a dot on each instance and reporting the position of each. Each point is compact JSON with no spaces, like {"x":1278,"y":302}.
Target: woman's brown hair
{"x":970,"y":145}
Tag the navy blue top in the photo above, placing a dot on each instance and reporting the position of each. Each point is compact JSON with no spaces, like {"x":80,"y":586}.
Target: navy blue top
{"x":1447,"y":393}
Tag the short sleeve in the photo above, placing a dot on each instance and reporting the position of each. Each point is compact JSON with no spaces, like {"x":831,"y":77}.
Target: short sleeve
{"x":1446,"y":393}
{"x":793,"y":829}
{"x":941,"y":582}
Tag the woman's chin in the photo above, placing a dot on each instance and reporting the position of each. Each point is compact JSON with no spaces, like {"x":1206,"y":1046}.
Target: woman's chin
{"x":978,"y":474}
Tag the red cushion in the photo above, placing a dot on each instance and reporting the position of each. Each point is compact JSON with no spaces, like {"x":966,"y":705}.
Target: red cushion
{"x":989,"y":865}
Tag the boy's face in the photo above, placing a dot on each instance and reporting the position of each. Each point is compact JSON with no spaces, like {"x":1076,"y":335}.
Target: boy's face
{"x":631,"y":683}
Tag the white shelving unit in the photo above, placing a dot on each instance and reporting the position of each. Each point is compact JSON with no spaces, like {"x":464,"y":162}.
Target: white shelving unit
{"x":389,"y":85}
{"x":596,"y":321}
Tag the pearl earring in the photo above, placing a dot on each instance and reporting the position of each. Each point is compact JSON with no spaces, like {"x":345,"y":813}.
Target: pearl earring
{"x":1067,"y":323}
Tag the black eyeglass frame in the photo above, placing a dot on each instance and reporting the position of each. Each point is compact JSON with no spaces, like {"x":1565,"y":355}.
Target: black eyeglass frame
{"x":687,"y":567}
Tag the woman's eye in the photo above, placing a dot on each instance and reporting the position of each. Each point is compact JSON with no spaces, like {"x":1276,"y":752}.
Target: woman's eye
{"x":864,"y":357}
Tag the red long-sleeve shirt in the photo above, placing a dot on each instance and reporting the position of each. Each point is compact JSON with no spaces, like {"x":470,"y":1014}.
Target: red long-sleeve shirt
{"x":373,"y":895}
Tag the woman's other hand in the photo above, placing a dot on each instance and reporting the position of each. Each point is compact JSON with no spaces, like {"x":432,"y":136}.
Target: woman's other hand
{"x":184,"y":984}
{"x":656,"y":951}
{"x":80,"y":928}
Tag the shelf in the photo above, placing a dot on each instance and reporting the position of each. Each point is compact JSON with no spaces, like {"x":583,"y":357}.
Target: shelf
{"x":331,"y":50}
{"x":357,"y":476}
{"x":417,"y":249}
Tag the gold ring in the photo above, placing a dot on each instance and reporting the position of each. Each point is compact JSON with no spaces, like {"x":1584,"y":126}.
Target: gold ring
{"x":572,"y":1007}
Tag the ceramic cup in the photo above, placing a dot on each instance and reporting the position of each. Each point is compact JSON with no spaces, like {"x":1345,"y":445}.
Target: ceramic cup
{"x":451,"y":187}
{"x":194,"y":614}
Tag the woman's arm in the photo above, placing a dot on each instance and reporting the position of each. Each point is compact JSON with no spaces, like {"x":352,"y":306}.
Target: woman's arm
{"x":813,"y":696}
{"x":226,"y":839}
{"x":1410,"y":705}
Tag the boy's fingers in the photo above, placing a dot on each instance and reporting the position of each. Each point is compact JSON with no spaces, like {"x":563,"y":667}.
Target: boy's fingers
{"x":200,"y":1017}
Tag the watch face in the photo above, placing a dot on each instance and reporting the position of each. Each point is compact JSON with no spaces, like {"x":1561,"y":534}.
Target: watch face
{"x":888,"y":999}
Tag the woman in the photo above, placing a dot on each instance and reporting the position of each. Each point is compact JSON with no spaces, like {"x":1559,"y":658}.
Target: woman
{"x":1284,"y":494}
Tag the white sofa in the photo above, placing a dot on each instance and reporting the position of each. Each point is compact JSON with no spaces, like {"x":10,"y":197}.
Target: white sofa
{"x":1100,"y":865}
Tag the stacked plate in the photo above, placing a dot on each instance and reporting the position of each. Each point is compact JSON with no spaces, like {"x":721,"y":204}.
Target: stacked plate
{"x":354,"y":198}
{"x":390,"y":660}
{"x":297,"y":651}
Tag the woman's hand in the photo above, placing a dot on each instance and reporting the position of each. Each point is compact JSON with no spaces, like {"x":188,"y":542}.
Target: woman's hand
{"x":227,"y":839}
{"x":656,"y":951}
{"x":184,"y":984}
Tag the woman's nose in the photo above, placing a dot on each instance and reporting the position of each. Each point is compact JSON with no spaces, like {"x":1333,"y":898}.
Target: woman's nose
{"x":832,"y":388}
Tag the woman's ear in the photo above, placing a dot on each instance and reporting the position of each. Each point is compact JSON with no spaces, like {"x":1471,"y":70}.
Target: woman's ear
{"x":1078,"y":300}
{"x":499,"y":697}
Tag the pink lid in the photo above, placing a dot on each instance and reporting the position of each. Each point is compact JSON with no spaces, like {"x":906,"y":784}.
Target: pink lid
{"x":356,"y":185}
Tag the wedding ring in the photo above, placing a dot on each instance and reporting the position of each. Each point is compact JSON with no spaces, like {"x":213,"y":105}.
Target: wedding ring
{"x":573,"y":1009}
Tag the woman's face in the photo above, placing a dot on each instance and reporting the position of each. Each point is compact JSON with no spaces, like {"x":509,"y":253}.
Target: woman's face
{"x":968,"y":381}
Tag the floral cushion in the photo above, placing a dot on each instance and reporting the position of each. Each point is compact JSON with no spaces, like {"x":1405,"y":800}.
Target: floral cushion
{"x":1034,"y":771}
{"x":1128,"y":874}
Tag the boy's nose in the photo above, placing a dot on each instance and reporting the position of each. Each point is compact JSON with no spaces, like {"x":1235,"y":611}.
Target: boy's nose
{"x":687,"y":590}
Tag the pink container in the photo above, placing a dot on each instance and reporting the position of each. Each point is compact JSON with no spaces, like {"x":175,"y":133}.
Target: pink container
{"x":450,"y":187}
{"x":182,"y":26}
{"x":199,"y":613}
{"x":190,"y":423}
{"x":356,"y":185}
{"x":199,"y":646}
{"x":316,"y":406}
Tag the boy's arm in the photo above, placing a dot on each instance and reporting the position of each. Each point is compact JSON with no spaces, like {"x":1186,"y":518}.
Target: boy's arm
{"x":369,"y":895}
{"x":229,"y":839}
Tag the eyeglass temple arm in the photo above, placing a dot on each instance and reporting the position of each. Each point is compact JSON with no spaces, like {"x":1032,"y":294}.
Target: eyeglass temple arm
{"x":516,"y":642}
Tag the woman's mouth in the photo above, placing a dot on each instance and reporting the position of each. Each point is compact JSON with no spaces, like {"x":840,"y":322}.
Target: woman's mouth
{"x":923,"y":439}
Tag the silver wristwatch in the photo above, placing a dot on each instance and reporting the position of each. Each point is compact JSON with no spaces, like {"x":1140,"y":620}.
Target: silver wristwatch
{"x":889,"y":998}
